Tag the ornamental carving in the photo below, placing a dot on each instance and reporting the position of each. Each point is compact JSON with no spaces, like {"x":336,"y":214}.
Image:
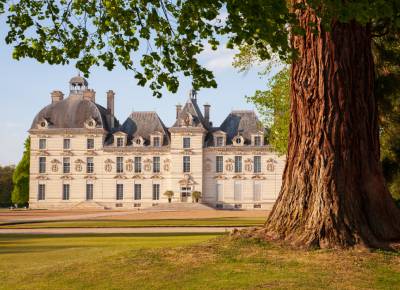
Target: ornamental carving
{"x":108,"y":165}
{"x":129,"y":165}
{"x":229,"y":164}
{"x":248,"y":165}
{"x":167,"y":165}
{"x":54,"y":165}
{"x":147,"y":164}
{"x":271,"y":165}
{"x":78,"y":165}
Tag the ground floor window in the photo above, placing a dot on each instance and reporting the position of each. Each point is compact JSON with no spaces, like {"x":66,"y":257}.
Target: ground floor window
{"x":137,"y":191}
{"x":42,"y":192}
{"x":156,"y":191}
{"x":257,"y":191}
{"x":220,"y":193}
{"x":89,"y":191}
{"x":65,"y":195}
{"x":120,"y":192}
{"x":237,"y":191}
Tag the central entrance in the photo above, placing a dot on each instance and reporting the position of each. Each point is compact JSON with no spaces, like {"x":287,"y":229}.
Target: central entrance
{"x":186,"y":192}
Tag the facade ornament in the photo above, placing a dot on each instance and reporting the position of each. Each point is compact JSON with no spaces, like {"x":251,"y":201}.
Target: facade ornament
{"x":238,"y":177}
{"x":271,"y":165}
{"x":248,"y":164}
{"x":147,"y":164}
{"x":220,"y":177}
{"x":108,"y":165}
{"x":258,"y":177}
{"x":66,"y":177}
{"x":229,"y":164}
{"x":156,"y":176}
{"x":129,"y":165}
{"x":42,"y":177}
{"x":54,"y":165}
{"x":138,"y":176}
{"x":167,"y":164}
{"x":120,"y":176}
{"x":90,"y":177}
{"x":78,"y":165}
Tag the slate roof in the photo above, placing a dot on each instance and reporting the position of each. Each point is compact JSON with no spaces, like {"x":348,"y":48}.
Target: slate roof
{"x":143,"y":124}
{"x":193,"y":109}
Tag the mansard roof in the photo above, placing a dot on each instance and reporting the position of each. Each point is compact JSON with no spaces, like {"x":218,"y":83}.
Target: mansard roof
{"x":241,"y":122}
{"x":191,"y":109}
{"x":73,"y":112}
{"x":144,"y":124}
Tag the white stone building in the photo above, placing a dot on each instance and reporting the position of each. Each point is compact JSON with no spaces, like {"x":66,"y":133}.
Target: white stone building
{"x":82,"y":156}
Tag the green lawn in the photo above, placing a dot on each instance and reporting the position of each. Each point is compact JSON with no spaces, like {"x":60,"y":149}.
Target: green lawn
{"x":238,"y":222}
{"x":185,"y":261}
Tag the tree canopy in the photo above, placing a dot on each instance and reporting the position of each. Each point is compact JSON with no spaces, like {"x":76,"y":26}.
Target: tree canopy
{"x":20,"y":193}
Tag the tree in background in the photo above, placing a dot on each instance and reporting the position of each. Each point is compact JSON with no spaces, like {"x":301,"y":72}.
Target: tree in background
{"x":6,"y":185}
{"x":20,"y":193}
{"x":333,"y":191}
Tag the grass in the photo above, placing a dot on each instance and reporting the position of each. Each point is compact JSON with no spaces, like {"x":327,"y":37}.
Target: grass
{"x":237,"y":222}
{"x":185,"y":261}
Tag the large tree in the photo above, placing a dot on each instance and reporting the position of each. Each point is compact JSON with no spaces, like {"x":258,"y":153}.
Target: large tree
{"x":333,"y":192}
{"x":20,"y":193}
{"x":6,"y":185}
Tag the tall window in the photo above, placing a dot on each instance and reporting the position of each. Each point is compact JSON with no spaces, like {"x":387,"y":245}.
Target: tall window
{"x":42,"y":192}
{"x":120,"y":164}
{"x":156,"y":164}
{"x":156,"y":191}
{"x":42,"y":164}
{"x":65,"y":195}
{"x":89,"y":165}
{"x":220,"y":141}
{"x":186,"y":142}
{"x":137,"y":194}
{"x":186,"y":163}
{"x":42,"y":143}
{"x":257,"y":164}
{"x":66,"y":165}
{"x":237,"y":191}
{"x":90,"y":143}
{"x":120,"y":192}
{"x":67,"y":144}
{"x":120,"y":142}
{"x":257,"y":191}
{"x":89,"y":191}
{"x":257,"y":140}
{"x":220,"y":193}
{"x":138,"y":164}
{"x":156,"y":141}
{"x":238,"y":164}
{"x":219,"y":163}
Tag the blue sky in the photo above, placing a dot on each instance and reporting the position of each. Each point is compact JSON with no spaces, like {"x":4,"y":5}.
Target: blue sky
{"x":26,"y":87}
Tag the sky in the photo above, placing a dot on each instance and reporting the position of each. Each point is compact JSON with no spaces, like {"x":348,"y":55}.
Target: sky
{"x":26,"y":86}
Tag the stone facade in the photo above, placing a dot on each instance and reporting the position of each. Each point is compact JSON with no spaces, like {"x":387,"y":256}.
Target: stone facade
{"x":82,"y":156}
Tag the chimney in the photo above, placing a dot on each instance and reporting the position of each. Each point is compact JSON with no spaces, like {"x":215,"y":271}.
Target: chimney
{"x":110,"y":107}
{"x":207,"y":113}
{"x":56,"y":96}
{"x":178,"y":110}
{"x":89,"y":95}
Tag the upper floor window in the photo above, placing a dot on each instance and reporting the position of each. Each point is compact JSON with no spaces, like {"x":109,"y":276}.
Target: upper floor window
{"x":138,"y":164}
{"x":137,"y":195}
{"x":186,"y":142}
{"x":42,"y":143}
{"x":156,"y":164}
{"x":156,"y":141}
{"x":66,"y":165}
{"x":120,"y":192}
{"x":257,"y":164}
{"x":120,"y":164}
{"x":186,"y":163}
{"x":65,"y":194}
{"x":42,"y":192}
{"x":120,"y":142}
{"x":257,"y":141}
{"x":90,"y":143}
{"x":89,"y":165}
{"x":42,"y":164}
{"x":67,"y":144}
{"x":220,"y":141}
{"x":219,"y":164}
{"x":238,"y":164}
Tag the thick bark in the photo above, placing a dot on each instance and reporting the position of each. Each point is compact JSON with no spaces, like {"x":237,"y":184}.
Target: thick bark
{"x":333,"y":192}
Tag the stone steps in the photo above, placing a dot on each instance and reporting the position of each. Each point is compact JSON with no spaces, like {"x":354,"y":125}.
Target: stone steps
{"x":180,"y":206}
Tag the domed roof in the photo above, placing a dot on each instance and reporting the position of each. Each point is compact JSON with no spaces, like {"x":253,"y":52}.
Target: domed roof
{"x":78,"y":80}
{"x":73,"y":112}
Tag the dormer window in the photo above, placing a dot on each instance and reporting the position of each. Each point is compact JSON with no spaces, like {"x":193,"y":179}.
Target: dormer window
{"x":120,"y":142}
{"x":90,"y":143}
{"x":257,"y":140}
{"x":238,"y":141}
{"x":90,"y":124}
{"x":67,"y":144}
{"x":156,"y":141}
{"x":219,"y":141}
{"x":42,"y":143}
{"x":43,"y":124}
{"x":138,"y":141}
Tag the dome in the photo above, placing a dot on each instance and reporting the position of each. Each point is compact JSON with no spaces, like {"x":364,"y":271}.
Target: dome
{"x":78,"y":80}
{"x":72,"y":112}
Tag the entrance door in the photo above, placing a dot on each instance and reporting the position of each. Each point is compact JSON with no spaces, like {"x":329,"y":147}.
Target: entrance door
{"x":185,"y":193}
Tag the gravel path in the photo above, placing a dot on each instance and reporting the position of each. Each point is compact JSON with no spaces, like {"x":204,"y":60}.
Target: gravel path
{"x":142,"y":230}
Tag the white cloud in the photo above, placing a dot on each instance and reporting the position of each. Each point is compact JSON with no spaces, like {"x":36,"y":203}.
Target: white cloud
{"x":218,"y":60}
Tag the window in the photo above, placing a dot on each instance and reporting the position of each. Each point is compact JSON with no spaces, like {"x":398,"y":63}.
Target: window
{"x":138,"y":164}
{"x":120,"y":164}
{"x":238,"y":164}
{"x":156,"y":142}
{"x":67,"y":144}
{"x":66,"y":165}
{"x":89,"y":191}
{"x":42,"y":164}
{"x":156,"y":164}
{"x":186,"y":142}
{"x":237,"y":195}
{"x":120,"y":192}
{"x":220,"y":141}
{"x":257,"y":141}
{"x":42,"y":143}
{"x":90,"y":143}
{"x":257,"y":164}
{"x":89,"y":165}
{"x":65,"y":195}
{"x":120,"y":142}
{"x":238,"y":140}
{"x":220,"y":196}
{"x":257,"y":191}
{"x":156,"y":191}
{"x":42,"y":192}
{"x":137,"y":194}
{"x":219,"y":164}
{"x":186,"y":163}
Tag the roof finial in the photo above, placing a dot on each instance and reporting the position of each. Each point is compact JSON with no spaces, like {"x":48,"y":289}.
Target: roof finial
{"x":193,"y":94}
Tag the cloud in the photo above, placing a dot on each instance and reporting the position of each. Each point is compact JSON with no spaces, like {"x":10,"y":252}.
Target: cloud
{"x":218,"y":60}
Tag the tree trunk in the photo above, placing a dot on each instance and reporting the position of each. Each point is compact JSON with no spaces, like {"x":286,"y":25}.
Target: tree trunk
{"x":333,"y":192}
